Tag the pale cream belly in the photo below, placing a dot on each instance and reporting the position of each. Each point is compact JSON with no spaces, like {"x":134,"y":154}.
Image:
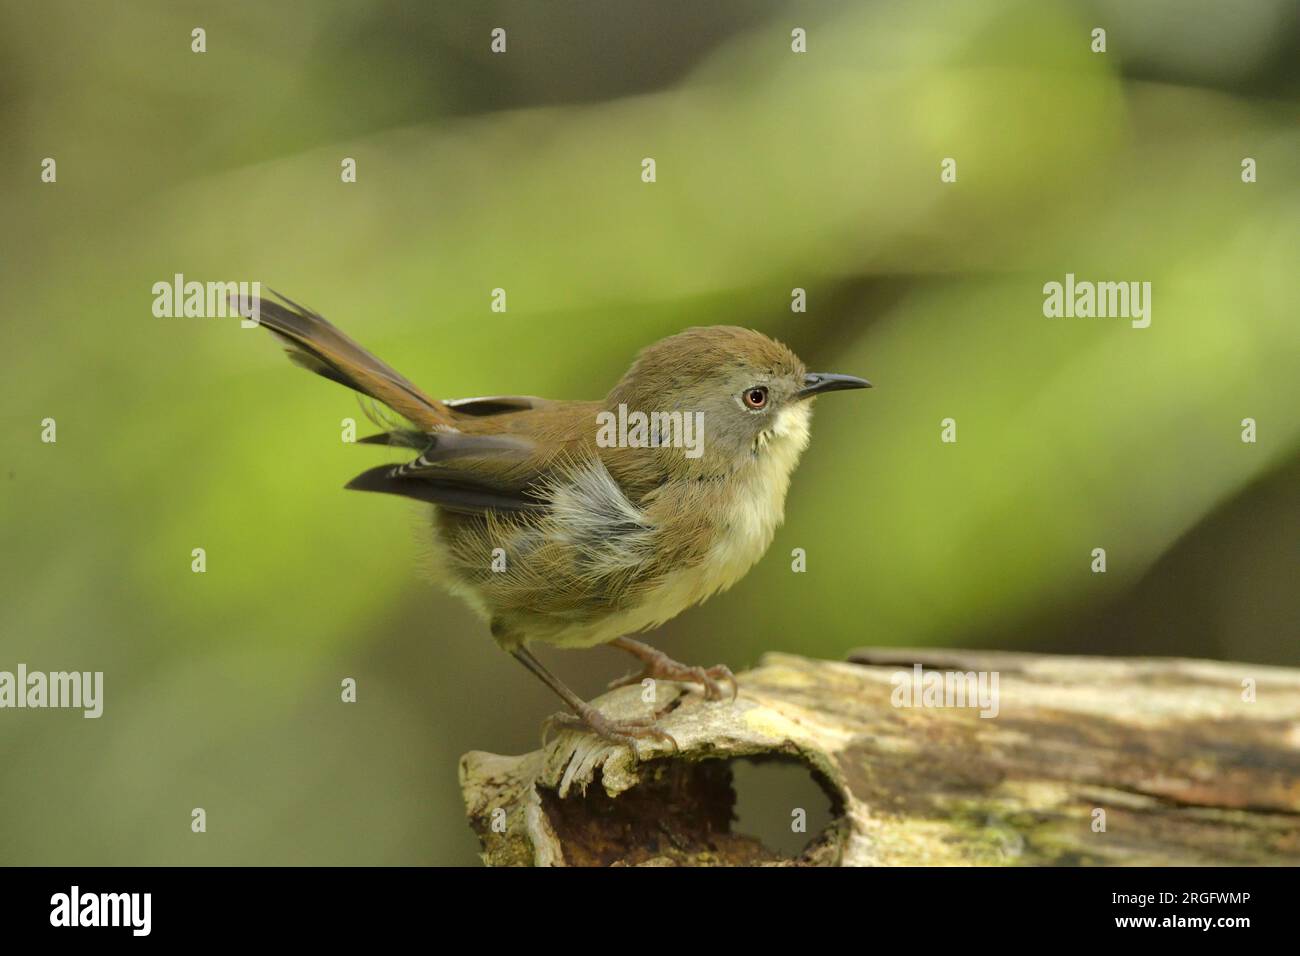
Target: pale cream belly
{"x":747,"y":532}
{"x":678,"y":591}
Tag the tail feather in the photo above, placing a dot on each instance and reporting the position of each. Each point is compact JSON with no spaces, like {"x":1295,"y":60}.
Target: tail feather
{"x":461,"y":471}
{"x":397,"y":438}
{"x":319,"y":347}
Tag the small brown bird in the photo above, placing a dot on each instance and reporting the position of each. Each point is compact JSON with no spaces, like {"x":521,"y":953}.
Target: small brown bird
{"x":578,"y":523}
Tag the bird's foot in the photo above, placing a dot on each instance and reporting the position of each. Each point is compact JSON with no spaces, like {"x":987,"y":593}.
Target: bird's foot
{"x":659,"y":666}
{"x":625,"y":732}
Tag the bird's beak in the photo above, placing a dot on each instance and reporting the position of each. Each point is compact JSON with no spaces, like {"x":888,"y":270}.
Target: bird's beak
{"x":814,"y":383}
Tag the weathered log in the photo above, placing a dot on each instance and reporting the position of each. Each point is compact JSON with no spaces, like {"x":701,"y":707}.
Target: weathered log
{"x":1087,"y":761}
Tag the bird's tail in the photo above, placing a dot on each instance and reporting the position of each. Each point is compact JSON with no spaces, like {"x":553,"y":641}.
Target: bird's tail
{"x":319,"y":347}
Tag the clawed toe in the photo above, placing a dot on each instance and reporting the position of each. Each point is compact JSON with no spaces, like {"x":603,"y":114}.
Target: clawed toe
{"x":625,"y":732}
{"x":659,"y":665}
{"x":713,"y":677}
{"x":627,"y":680}
{"x":710,"y":678}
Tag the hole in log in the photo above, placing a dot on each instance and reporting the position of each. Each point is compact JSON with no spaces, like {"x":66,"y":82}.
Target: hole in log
{"x":688,"y":813}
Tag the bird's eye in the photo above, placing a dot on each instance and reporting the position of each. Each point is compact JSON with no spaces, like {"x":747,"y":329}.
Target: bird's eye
{"x":755,"y":397}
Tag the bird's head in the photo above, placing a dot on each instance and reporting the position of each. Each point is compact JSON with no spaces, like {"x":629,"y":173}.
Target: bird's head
{"x":751,"y":395}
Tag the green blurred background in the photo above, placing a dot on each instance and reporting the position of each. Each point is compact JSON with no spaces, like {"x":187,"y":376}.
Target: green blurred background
{"x":522,"y":171}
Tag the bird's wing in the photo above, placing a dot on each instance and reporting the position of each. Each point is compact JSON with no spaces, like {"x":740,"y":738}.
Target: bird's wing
{"x":469,"y":474}
{"x":473,"y":408}
{"x":461,"y":493}
{"x":500,"y":462}
{"x":496,"y":404}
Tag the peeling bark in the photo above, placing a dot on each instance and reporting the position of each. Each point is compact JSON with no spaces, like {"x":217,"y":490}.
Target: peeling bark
{"x":1170,"y":754}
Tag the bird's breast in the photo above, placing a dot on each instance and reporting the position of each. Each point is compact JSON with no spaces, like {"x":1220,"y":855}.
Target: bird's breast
{"x":744,"y":512}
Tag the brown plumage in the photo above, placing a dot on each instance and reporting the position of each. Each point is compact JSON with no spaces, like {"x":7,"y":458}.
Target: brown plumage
{"x":559,"y":525}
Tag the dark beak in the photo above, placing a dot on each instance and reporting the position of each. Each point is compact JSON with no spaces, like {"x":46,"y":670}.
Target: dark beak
{"x":814,"y":383}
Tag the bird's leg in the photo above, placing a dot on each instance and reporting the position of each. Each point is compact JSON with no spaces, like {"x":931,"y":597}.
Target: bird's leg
{"x":660,"y":666}
{"x":626,"y":732}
